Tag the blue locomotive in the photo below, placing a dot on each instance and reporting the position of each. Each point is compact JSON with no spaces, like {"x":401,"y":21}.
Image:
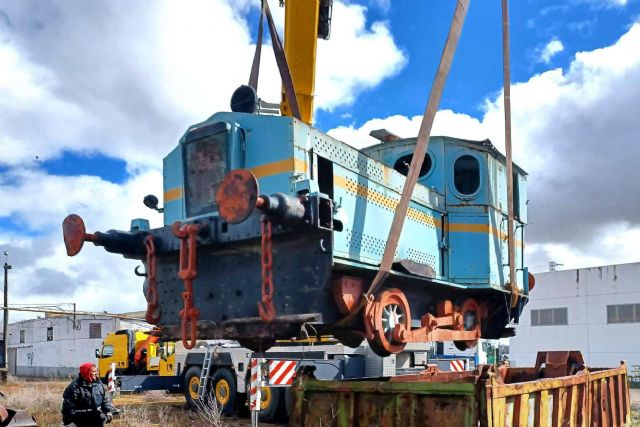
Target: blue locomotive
{"x":299,"y":254}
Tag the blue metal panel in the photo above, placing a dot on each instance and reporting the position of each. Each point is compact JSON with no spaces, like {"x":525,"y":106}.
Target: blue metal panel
{"x":468,"y":242}
{"x":139,"y":383}
{"x":173,"y":182}
{"x":522,"y":188}
{"x":367,"y":208}
{"x":498,"y":250}
{"x":139,"y":224}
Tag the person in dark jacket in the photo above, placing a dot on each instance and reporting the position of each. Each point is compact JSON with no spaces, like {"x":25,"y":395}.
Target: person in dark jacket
{"x":86,"y":404}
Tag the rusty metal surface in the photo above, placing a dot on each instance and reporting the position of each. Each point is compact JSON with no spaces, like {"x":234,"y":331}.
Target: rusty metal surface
{"x":266,"y":309}
{"x":486,"y":397}
{"x":74,"y":234}
{"x":383,"y":403}
{"x":551,"y":364}
{"x":188,"y":261}
{"x":237,"y":196}
{"x":16,"y":418}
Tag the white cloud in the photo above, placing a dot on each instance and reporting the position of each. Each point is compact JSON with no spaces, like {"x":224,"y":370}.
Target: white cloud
{"x":341,"y":74}
{"x":149,"y":71}
{"x":550,"y":50}
{"x":446,"y":122}
{"x":126,"y":82}
{"x":576,"y":133}
{"x":96,"y":280}
{"x":383,"y":5}
{"x":609,"y":3}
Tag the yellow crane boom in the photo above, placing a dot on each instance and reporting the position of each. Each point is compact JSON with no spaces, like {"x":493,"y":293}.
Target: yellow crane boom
{"x":305,"y":22}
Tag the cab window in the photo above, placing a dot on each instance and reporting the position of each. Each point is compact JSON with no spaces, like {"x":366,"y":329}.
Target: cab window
{"x":107,"y":351}
{"x":402,"y":165}
{"x":205,"y":168}
{"x":466,"y":175}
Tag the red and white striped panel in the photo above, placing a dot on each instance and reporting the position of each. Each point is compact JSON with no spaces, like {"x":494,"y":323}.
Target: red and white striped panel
{"x":281,"y":372}
{"x":254,"y":385}
{"x":456,"y":365}
{"x":111,"y":379}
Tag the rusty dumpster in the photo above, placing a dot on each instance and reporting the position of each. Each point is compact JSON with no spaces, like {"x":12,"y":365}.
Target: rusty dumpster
{"x":558,"y":391}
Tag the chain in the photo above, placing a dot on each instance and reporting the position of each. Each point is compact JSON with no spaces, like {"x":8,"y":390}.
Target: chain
{"x":187,"y":272}
{"x":265,"y":307}
{"x":153,"y":315}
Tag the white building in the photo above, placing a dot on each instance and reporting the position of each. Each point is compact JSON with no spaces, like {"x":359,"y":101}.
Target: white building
{"x":595,"y":310}
{"x":55,"y":346}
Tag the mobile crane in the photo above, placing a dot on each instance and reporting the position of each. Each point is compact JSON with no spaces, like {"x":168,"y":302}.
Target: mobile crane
{"x":377,"y":256}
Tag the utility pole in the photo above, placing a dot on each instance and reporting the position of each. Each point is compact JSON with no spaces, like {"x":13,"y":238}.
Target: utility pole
{"x":5,"y":320}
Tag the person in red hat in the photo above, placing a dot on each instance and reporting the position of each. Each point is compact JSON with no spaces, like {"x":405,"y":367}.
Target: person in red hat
{"x":86,"y":404}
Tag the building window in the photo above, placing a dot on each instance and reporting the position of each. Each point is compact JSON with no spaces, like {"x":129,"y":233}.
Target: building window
{"x":623,"y":313}
{"x":22,"y":336}
{"x":549,"y":316}
{"x":466,"y":175}
{"x":95,"y":330}
{"x":50,"y":333}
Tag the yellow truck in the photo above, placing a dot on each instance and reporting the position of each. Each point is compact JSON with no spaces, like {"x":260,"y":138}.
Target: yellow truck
{"x":142,"y":363}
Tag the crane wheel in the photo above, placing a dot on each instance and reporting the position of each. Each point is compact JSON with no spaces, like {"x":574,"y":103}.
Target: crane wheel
{"x":191,"y":383}
{"x":223,"y":388}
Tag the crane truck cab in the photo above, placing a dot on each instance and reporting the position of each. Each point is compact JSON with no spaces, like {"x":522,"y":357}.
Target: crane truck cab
{"x":135,"y":353}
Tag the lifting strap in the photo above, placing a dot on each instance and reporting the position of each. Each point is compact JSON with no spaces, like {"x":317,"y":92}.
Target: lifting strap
{"x":421,"y":146}
{"x":281,"y":60}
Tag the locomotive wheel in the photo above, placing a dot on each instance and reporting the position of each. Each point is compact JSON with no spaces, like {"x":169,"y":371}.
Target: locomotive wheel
{"x":351,"y":339}
{"x":391,"y":308}
{"x":471,"y":322}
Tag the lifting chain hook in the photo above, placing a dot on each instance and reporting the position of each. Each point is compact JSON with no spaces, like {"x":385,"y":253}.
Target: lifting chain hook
{"x":153,"y":314}
{"x":265,"y":307}
{"x":187,"y":272}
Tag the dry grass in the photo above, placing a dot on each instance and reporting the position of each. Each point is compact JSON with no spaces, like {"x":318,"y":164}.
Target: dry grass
{"x":43,"y":399}
{"x":635,"y":415}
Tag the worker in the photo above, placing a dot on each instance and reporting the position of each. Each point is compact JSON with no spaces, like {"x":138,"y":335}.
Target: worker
{"x":86,"y":404}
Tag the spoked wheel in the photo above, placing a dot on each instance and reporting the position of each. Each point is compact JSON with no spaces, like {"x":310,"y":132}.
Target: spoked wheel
{"x":471,"y":321}
{"x":391,"y":308}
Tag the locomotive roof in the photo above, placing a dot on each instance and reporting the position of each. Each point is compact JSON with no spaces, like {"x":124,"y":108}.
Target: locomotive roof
{"x":483,"y":145}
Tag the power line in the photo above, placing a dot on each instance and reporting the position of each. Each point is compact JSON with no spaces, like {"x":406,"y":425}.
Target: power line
{"x":75,"y":313}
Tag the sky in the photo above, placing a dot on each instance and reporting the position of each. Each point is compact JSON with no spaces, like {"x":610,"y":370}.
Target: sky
{"x":94,"y":94}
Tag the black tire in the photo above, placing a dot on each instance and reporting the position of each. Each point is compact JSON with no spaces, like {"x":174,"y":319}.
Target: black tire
{"x":190,"y":386}
{"x":288,"y":401}
{"x":224,"y":390}
{"x":272,"y":410}
{"x":349,"y":338}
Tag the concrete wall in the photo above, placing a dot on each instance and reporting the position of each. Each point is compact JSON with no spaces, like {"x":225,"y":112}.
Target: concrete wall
{"x":585,"y":292}
{"x":60,"y":357}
